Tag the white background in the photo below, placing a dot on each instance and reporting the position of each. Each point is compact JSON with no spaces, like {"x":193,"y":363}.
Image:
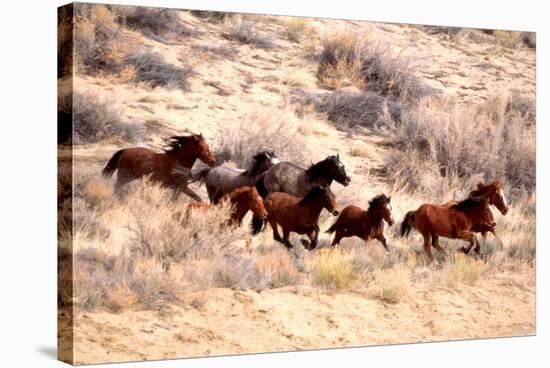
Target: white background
{"x":28,"y":183}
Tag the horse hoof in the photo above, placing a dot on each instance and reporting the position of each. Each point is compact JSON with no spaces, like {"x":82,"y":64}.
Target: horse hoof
{"x":464,"y":250}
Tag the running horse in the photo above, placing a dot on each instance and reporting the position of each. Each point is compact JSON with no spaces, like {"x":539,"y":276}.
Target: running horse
{"x":171,"y":168}
{"x":289,"y":178}
{"x":457,"y":220}
{"x":369,"y":224}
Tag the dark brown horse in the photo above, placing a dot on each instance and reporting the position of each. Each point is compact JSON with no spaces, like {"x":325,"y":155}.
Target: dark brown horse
{"x":242,"y":200}
{"x":457,"y":221}
{"x":299,"y":215}
{"x":171,"y":167}
{"x":369,"y":224}
{"x":486,"y":222}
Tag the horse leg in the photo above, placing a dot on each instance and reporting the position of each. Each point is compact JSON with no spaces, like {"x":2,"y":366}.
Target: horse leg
{"x":435,"y":244}
{"x":427,"y":246}
{"x":382,"y":240}
{"x":276,"y":235}
{"x":187,"y":191}
{"x":313,"y":239}
{"x":286,"y":235}
{"x":469,"y":237}
{"x":337,"y":237}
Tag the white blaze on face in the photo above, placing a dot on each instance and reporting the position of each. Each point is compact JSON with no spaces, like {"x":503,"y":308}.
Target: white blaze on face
{"x":501,"y":192}
{"x":275,"y":160}
{"x":388,"y":206}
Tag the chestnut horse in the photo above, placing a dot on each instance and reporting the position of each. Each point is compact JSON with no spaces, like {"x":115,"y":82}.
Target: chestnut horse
{"x":242,"y":200}
{"x":457,"y":221}
{"x":299,"y":215}
{"x":495,"y":194}
{"x":369,"y":224}
{"x":170,"y":168}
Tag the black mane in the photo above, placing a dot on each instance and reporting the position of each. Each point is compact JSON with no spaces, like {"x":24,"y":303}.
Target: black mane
{"x":176,"y":142}
{"x":313,"y":194}
{"x":321,"y":169}
{"x":257,"y":162}
{"x":470,"y":202}
{"x":378,"y":201}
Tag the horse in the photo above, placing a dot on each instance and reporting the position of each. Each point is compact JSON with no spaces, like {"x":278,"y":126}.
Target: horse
{"x":170,"y":168}
{"x":242,"y":200}
{"x":458,"y":221}
{"x":495,"y":195}
{"x":369,"y":224}
{"x":296,"y":181}
{"x":223,"y":179}
{"x":299,"y":215}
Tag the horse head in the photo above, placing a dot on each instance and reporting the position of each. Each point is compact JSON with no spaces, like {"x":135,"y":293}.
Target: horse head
{"x":330,"y":169}
{"x":324,"y":196}
{"x":256,"y":203}
{"x":494,"y":194}
{"x":262,"y":161}
{"x":193,"y":146}
{"x":380,"y":205}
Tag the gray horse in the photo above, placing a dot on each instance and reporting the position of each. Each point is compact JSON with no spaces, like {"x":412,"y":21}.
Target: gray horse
{"x":223,"y":179}
{"x":294,"y":180}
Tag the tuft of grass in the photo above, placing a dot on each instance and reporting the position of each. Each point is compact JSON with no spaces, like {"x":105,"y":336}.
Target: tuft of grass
{"x":295,"y":28}
{"x":151,"y":68}
{"x":96,"y":119}
{"x":391,"y":285}
{"x":153,"y":21}
{"x":226,"y":52}
{"x":99,"y":43}
{"x":238,"y":28}
{"x":350,"y":59}
{"x":509,"y":39}
{"x":262,"y":129}
{"x":334,"y":269}
{"x":463,"y":269}
{"x":276,"y":268}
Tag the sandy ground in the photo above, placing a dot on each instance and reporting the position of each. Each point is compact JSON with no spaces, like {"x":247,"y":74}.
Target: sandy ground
{"x":226,"y":321}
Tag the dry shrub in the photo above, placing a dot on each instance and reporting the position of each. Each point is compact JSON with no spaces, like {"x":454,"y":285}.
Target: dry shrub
{"x":153,"y":21}
{"x":509,"y":39}
{"x":391,"y":285}
{"x":219,"y":52}
{"x":262,"y":129}
{"x":530,"y":39}
{"x":295,"y":28}
{"x":350,"y":59}
{"x":96,"y":118}
{"x":352,"y":110}
{"x":238,"y":28}
{"x":463,"y":269}
{"x":440,"y":139}
{"x":334,"y":269}
{"x":99,"y":42}
{"x":64,"y":41}
{"x":151,"y":68}
{"x":276,"y":268}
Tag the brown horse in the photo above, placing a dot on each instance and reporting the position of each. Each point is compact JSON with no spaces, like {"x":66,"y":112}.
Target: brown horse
{"x":242,"y":200}
{"x":299,"y":215}
{"x":171,"y":168}
{"x":458,"y":221}
{"x":369,"y":224}
{"x":486,"y":222}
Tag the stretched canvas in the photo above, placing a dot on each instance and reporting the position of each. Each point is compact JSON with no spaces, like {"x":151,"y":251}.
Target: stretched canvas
{"x":246,"y":183}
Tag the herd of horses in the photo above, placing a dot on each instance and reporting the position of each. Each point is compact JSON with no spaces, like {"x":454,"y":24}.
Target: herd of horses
{"x":288,"y":196}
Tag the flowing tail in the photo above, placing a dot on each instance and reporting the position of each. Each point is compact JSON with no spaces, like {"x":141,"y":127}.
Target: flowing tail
{"x":407,"y":224}
{"x":112,"y":165}
{"x":257,"y":223}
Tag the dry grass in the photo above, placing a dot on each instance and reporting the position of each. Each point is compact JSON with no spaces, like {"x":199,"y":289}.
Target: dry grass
{"x":463,"y":269}
{"x":391,"y":285}
{"x":277,"y":268}
{"x":295,"y":28}
{"x":238,"y":28}
{"x":509,"y":39}
{"x":96,"y":119}
{"x":437,"y":141}
{"x":334,"y":269}
{"x":152,"y":69}
{"x":262,"y":129}
{"x":153,"y":21}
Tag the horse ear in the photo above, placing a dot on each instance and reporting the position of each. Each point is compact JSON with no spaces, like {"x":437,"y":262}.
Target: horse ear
{"x":389,"y":199}
{"x":338,"y":155}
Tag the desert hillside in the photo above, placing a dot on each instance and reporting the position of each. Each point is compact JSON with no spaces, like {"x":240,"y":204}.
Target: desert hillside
{"x":419,"y":113}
